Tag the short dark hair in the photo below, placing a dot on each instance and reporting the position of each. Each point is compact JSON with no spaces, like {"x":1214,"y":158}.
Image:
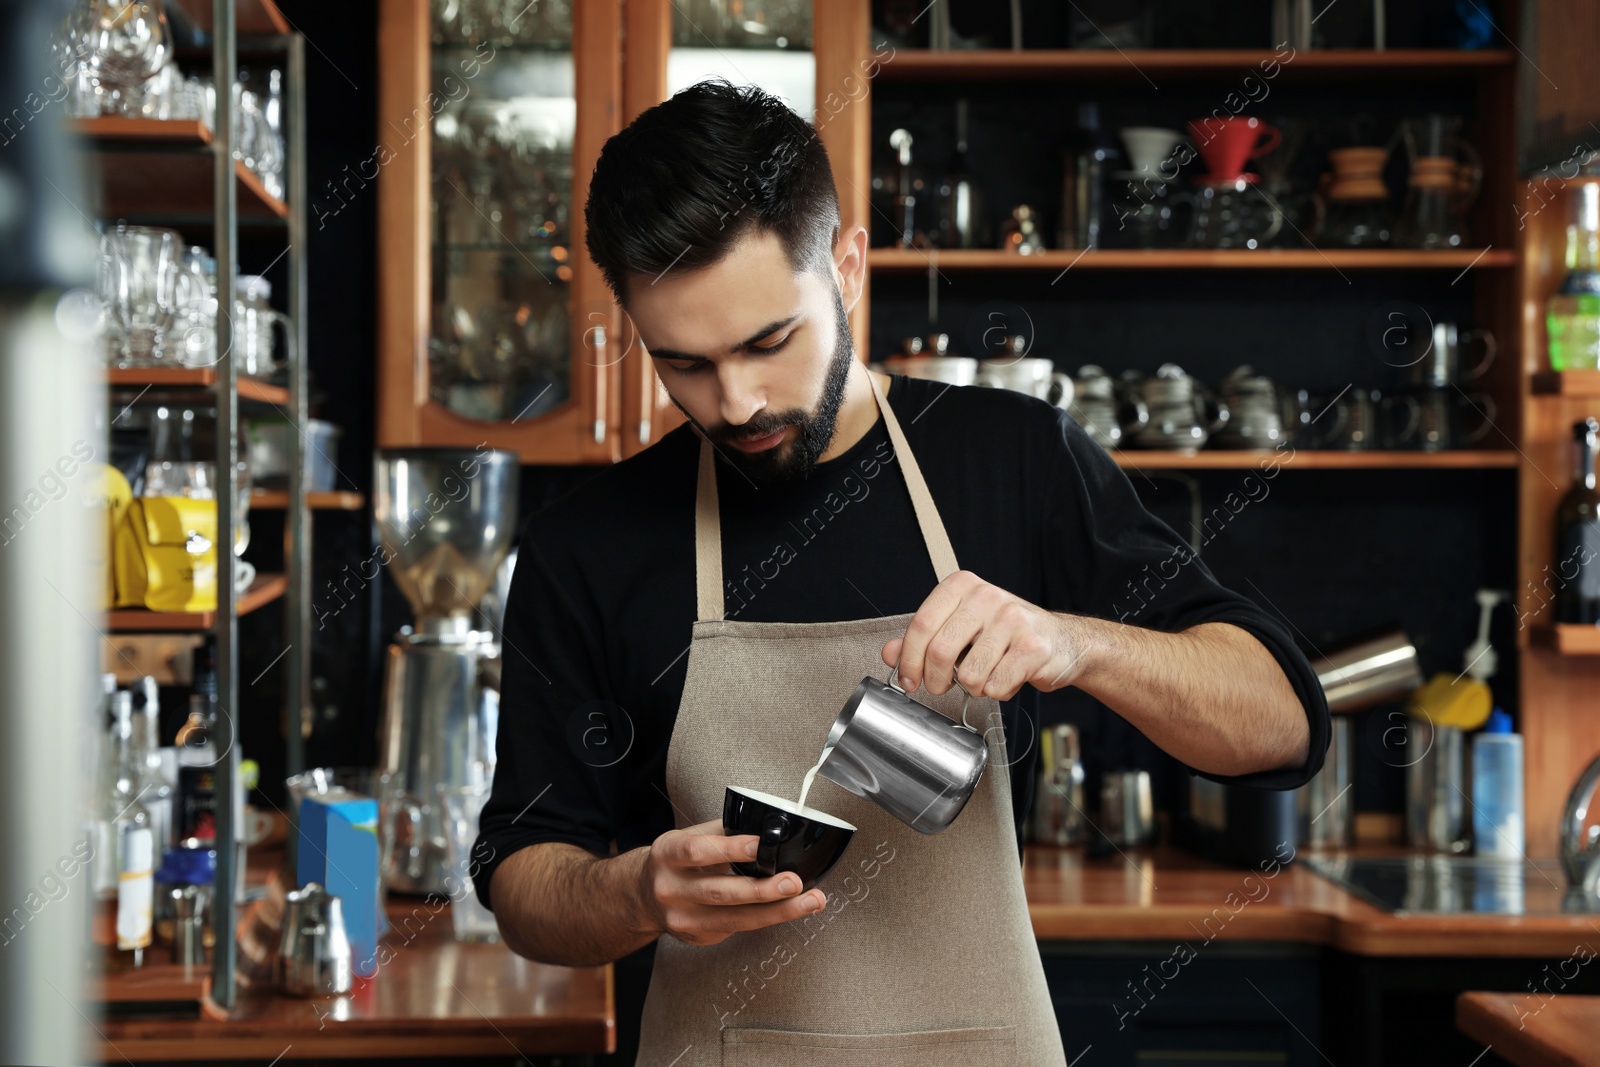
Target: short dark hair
{"x":691,"y":176}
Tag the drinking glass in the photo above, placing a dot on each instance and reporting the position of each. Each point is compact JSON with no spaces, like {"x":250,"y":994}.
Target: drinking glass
{"x":130,"y":42}
{"x":139,"y":269}
{"x":461,"y":807}
{"x":196,"y":290}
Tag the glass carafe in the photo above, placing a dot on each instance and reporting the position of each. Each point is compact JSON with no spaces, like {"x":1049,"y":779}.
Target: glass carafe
{"x":1355,"y":202}
{"x":1446,"y":174}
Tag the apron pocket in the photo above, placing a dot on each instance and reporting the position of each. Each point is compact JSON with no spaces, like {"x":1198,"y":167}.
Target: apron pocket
{"x":975,"y":1046}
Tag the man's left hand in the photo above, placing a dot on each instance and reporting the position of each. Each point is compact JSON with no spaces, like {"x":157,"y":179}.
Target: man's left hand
{"x":1008,"y":642}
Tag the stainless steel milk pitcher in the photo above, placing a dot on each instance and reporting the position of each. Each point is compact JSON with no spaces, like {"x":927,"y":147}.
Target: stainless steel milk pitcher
{"x":916,"y":764}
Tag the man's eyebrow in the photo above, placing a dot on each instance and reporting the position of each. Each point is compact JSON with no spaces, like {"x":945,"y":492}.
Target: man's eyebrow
{"x":768,"y":329}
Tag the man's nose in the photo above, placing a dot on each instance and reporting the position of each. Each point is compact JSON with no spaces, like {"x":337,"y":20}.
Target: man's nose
{"x":742,"y":393}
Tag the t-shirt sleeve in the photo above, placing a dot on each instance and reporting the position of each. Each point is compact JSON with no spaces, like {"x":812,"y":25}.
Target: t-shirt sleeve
{"x":559,"y":756}
{"x":1117,"y":561}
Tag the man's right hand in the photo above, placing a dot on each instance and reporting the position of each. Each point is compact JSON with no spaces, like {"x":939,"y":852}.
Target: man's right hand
{"x":689,"y":891}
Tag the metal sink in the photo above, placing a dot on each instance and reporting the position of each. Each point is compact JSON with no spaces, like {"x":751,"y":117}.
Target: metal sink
{"x":1454,"y":885}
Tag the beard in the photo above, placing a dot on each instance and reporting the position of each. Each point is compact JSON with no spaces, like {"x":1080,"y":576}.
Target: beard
{"x":797,"y":459}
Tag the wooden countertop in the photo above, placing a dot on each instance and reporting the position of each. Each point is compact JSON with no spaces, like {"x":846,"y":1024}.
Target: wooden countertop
{"x":438,"y":997}
{"x":1161,"y":893}
{"x":1559,"y":1031}
{"x":435,"y":997}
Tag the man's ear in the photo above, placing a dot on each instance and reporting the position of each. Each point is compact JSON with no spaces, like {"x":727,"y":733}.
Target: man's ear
{"x":850,"y":264}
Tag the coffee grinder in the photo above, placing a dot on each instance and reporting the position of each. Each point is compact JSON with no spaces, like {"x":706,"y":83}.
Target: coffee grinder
{"x":446,"y":518}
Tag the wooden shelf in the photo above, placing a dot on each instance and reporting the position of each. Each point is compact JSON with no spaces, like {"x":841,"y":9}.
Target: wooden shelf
{"x":147,"y":173}
{"x":250,"y":389}
{"x":338,"y":500}
{"x":115,"y":128}
{"x":159,"y":983}
{"x":999,"y":64}
{"x":1309,"y":459}
{"x":252,"y":18}
{"x":1567,"y":638}
{"x":1567,"y":383}
{"x":265,"y":589}
{"x":962,"y":259}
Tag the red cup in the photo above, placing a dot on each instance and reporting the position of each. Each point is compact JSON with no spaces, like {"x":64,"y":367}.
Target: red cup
{"x":1225,"y":143}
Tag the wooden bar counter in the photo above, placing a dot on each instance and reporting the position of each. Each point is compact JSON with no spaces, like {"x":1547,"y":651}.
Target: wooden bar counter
{"x":1161,"y":893}
{"x":1563,"y":1031}
{"x":434,"y":997}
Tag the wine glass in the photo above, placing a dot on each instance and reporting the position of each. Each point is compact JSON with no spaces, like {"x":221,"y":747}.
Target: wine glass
{"x":129,"y":44}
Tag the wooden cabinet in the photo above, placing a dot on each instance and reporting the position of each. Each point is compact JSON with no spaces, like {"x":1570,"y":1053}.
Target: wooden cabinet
{"x":838,"y":107}
{"x":494,"y":326}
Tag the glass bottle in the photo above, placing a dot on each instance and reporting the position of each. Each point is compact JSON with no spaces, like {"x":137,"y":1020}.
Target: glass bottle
{"x":1572,"y":317}
{"x":124,"y":911}
{"x":1089,"y":161}
{"x":960,"y":200}
{"x":1577,"y":563}
{"x":273,"y":151}
{"x":197,"y":774}
{"x":155,"y":793}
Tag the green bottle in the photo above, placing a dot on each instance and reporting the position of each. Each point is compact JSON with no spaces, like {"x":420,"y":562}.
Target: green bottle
{"x":1572,"y":318}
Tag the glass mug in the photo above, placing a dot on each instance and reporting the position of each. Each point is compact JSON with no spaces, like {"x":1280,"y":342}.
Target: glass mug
{"x":196,"y":297}
{"x":138,"y":283}
{"x":1445,"y":417}
{"x":1361,"y":422}
{"x":253,"y":325}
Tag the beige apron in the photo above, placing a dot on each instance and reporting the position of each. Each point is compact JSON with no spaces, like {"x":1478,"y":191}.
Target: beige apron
{"x":924,"y":954}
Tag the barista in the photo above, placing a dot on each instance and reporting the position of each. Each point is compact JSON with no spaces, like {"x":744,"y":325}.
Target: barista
{"x":694,"y":617}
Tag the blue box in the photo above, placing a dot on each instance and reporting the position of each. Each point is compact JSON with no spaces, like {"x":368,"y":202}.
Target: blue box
{"x":338,"y":848}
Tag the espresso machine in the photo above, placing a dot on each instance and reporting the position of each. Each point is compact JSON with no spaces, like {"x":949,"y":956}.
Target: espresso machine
{"x":446,"y":518}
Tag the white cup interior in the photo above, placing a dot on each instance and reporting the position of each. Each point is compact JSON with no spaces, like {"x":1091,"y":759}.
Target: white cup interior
{"x":791,"y":807}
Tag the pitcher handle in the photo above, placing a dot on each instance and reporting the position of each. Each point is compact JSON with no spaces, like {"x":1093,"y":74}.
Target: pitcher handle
{"x":289,"y":353}
{"x":1474,"y":184}
{"x":894,"y":672}
{"x":1341,"y":416}
{"x":1413,"y":421}
{"x":1491,"y":348}
{"x":1206,"y":399}
{"x":1488,"y":416}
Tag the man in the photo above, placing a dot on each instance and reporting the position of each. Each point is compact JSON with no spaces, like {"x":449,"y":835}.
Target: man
{"x":694,"y":618}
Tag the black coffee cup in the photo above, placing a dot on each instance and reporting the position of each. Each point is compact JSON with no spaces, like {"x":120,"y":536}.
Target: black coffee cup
{"x":808,"y":844}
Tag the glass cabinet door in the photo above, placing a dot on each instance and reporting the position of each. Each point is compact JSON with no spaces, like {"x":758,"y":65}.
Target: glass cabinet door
{"x":518,"y":98}
{"x":813,"y":54}
{"x":501,"y":296}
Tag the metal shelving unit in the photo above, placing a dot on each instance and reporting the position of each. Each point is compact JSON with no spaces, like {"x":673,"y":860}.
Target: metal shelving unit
{"x":158,"y":173}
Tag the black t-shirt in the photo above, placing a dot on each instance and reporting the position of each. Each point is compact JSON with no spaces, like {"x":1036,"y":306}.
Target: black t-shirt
{"x":598,"y":620}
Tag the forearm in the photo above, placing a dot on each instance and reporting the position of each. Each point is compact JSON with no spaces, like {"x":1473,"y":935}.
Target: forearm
{"x":1211,"y":696}
{"x":557,"y":903}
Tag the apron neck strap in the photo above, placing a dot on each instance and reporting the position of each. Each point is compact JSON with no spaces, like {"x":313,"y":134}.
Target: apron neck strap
{"x":708,"y":521}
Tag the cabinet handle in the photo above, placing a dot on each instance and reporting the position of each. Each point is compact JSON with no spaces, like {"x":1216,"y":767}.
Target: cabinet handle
{"x":598,"y":335}
{"x":647,"y":395}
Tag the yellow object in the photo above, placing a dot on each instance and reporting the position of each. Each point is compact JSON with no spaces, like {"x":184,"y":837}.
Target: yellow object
{"x":113,"y":494}
{"x":1445,"y":700}
{"x":166,"y":554}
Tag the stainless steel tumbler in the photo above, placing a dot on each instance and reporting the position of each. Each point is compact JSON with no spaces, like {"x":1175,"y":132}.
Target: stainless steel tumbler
{"x":1327,"y":804}
{"x":908,"y":759}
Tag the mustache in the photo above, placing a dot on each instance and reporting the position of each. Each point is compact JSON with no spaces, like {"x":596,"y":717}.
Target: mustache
{"x":761,"y":424}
